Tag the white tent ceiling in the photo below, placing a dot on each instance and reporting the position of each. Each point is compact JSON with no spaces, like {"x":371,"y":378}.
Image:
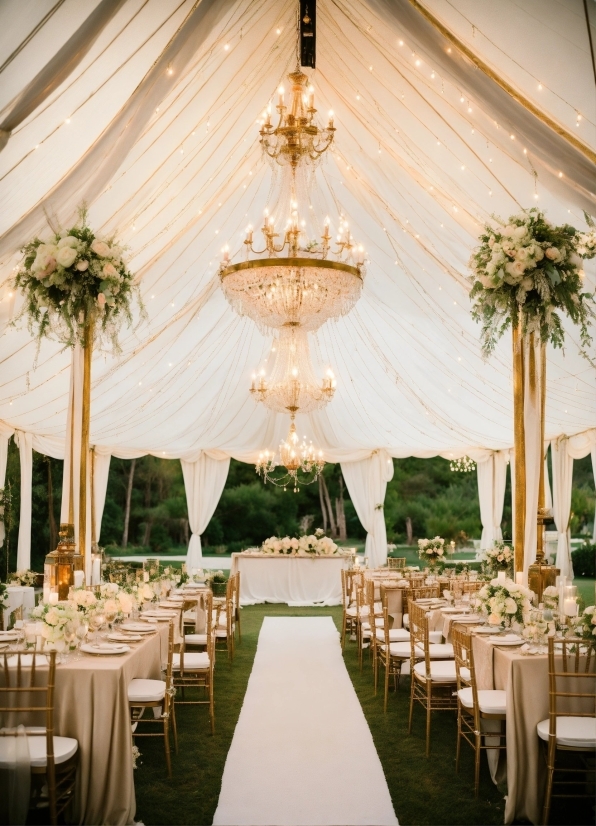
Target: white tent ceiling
{"x":155,"y":127}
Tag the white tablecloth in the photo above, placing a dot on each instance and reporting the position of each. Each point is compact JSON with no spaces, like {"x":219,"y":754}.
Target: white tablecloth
{"x":19,"y":595}
{"x":296,"y":580}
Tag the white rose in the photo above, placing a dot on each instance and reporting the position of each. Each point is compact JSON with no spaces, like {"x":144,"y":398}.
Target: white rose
{"x":82,"y":266}
{"x":510,"y":605}
{"x":126,"y":603}
{"x":46,"y":253}
{"x":519,"y":232}
{"x":109,"y":270}
{"x":294,"y":543}
{"x":509,"y":230}
{"x":494,"y":619}
{"x":66,"y":256}
{"x":553,"y":254}
{"x":100,"y":248}
{"x":111,"y":606}
{"x":486,"y":281}
{"x":68,"y":241}
{"x":515,"y":270}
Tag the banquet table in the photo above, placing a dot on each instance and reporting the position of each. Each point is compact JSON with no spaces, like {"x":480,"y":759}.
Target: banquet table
{"x":295,"y":580}
{"x":91,"y":705}
{"x":525,"y":679}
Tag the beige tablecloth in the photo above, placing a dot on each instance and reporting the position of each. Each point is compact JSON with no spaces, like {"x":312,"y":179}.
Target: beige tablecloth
{"x":525,"y":679}
{"x":92,"y":706}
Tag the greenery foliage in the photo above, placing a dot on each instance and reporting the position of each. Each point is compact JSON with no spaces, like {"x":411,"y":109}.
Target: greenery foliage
{"x":71,"y":277}
{"x":527,"y":270}
{"x":584,"y":560}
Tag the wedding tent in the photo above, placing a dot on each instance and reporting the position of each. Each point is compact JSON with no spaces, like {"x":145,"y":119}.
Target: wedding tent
{"x":147,"y":110}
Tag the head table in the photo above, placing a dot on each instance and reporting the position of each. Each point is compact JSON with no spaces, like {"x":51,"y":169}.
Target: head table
{"x":295,"y":580}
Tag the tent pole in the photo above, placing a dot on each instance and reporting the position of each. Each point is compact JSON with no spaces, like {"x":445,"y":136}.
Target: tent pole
{"x":86,"y":412}
{"x":519,"y":447}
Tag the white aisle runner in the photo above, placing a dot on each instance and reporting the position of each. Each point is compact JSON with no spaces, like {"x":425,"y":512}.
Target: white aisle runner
{"x":302,"y":753}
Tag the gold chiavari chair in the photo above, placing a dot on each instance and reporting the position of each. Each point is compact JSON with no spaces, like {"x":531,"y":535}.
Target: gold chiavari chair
{"x":396,"y":562}
{"x":392,"y":597}
{"x":475,"y":706}
{"x":571,"y":722}
{"x":156,"y":694}
{"x":226,"y":629}
{"x":374,"y":618}
{"x":348,"y":622}
{"x":194,"y":669}
{"x":421,"y":592}
{"x":27,"y":690}
{"x":202,"y":623}
{"x":432,"y":670}
{"x":237,"y":604}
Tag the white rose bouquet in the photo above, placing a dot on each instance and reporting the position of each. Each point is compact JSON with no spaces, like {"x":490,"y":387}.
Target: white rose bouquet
{"x":504,"y":603}
{"x":433,"y":550}
{"x":529,"y":269}
{"x":27,"y":578}
{"x":83,"y":600}
{"x":56,"y":623}
{"x":585,"y":625}
{"x":72,"y":275}
{"x":498,"y":558}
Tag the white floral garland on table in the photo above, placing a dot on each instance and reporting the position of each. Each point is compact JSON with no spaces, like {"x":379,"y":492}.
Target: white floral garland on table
{"x":433,"y":550}
{"x":529,"y":269}
{"x":307,"y":545}
{"x":585,"y":625}
{"x":26,"y":578}
{"x":498,"y":558}
{"x":504,"y":603}
{"x":74,"y":274}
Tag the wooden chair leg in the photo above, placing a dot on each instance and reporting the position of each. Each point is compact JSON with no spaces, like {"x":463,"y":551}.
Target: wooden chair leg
{"x":477,"y":754}
{"x":411,"y":714}
{"x":428,"y":713}
{"x":458,"y":747}
{"x":174,"y":725}
{"x":166,"y":738}
{"x":387,"y":664}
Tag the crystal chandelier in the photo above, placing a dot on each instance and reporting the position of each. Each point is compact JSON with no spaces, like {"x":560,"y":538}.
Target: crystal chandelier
{"x":462,"y":465}
{"x":296,"y":137}
{"x":292,"y":385}
{"x":302,"y":462}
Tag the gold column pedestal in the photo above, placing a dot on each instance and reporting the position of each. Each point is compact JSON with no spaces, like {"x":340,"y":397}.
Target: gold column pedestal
{"x":60,"y":565}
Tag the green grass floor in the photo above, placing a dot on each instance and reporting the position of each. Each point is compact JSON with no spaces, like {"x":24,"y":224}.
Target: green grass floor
{"x":424,"y":791}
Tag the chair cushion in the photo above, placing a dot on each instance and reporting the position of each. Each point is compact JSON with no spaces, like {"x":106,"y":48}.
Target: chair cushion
{"x":489,"y":701}
{"x":440,"y":651}
{"x":435,"y":636}
{"x":441,"y":671}
{"x":146,"y":691}
{"x":193,"y":661}
{"x":366,"y":625}
{"x":64,"y":749}
{"x":195,"y":639}
{"x":406,"y":620}
{"x":395,"y":635}
{"x":400,"y":649}
{"x":574,"y":732}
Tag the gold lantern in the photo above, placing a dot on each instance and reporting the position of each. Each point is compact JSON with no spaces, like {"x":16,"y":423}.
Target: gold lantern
{"x":60,"y":565}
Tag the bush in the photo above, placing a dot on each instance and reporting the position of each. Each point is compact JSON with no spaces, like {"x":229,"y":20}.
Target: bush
{"x":584,"y":561}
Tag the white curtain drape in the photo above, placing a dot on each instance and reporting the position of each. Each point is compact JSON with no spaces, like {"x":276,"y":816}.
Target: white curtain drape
{"x":367,"y":483}
{"x":204,"y":482}
{"x":24,"y":441}
{"x":492,"y":478}
{"x":101,"y":472}
{"x":562,"y":464}
{"x":5,"y":434}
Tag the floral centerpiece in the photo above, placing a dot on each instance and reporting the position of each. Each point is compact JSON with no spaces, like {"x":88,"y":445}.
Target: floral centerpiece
{"x":122,"y":601}
{"x":307,"y":545}
{"x":585,"y":625}
{"x":527,"y":269}
{"x":550,"y":597}
{"x":27,"y":578}
{"x":433,"y":551}
{"x":498,"y":558}
{"x":504,"y":603}
{"x":57,"y":624}
{"x":70,"y":276}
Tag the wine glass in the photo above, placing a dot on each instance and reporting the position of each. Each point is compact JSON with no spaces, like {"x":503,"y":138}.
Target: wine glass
{"x":110,"y":616}
{"x":96,"y":621}
{"x":70,"y":635}
{"x":81,"y":632}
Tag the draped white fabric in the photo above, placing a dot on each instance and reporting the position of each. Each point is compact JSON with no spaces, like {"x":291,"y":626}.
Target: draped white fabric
{"x":24,"y":441}
{"x":101,"y":471}
{"x":367,"y":483}
{"x":492,"y":479}
{"x":204,"y":481}
{"x":562,"y":464}
{"x":415,"y":171}
{"x":5,"y":434}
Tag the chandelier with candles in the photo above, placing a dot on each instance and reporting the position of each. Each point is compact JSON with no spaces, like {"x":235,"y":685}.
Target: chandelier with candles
{"x":295,"y":280}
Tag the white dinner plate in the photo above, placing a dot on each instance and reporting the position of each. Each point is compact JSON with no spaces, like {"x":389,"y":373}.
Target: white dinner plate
{"x":105,"y":648}
{"x":8,"y":636}
{"x":498,"y":640}
{"x":138,"y":627}
{"x":159,"y":614}
{"x":125,"y":637}
{"x":483,"y":629}
{"x":452,"y":611}
{"x":464,"y":618}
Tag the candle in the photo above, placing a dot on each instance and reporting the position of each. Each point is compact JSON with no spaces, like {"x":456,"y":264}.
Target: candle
{"x":281,"y":96}
{"x":502,"y":576}
{"x":79,"y":576}
{"x":519,"y":578}
{"x":53,"y":600}
{"x":96,"y":571}
{"x":330,"y":119}
{"x":46,"y":593}
{"x":570,"y":607}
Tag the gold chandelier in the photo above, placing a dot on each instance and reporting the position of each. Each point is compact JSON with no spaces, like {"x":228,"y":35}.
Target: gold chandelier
{"x":302,"y":462}
{"x":292,"y":385}
{"x":296,"y":137}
